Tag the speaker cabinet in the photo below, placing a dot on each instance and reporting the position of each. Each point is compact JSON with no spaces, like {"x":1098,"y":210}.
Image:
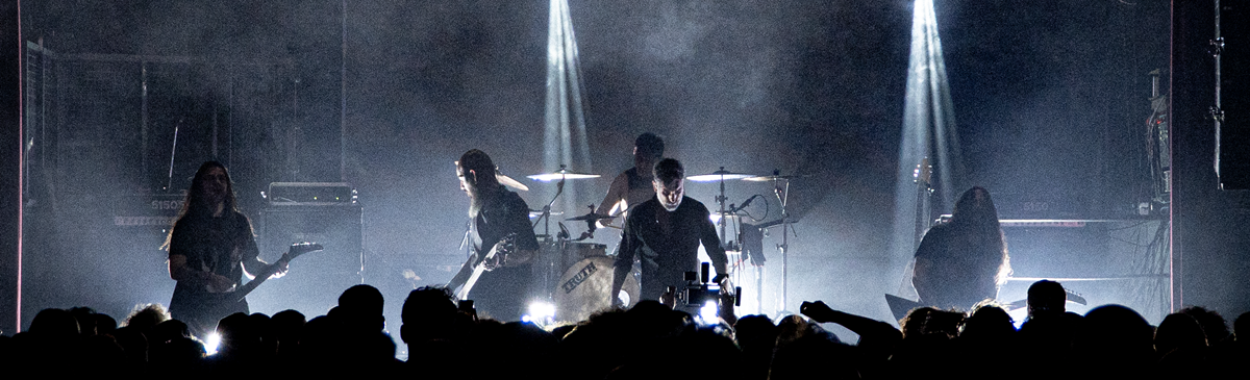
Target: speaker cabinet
{"x":315,"y":280}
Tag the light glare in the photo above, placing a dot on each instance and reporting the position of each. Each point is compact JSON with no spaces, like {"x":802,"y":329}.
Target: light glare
{"x":540,"y":313}
{"x":709,"y":312}
{"x":211,"y":343}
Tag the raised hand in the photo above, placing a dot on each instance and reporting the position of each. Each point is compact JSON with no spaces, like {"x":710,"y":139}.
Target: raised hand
{"x":817,"y":311}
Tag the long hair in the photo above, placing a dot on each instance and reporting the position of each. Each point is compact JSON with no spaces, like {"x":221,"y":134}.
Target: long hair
{"x":482,"y":183}
{"x":195,"y":205}
{"x":977,"y":218}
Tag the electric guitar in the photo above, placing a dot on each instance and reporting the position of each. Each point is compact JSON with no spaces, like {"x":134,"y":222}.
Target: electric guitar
{"x":505,"y":246}
{"x":202,"y":307}
{"x":901,"y":306}
{"x":240,"y":292}
{"x":221,"y":303}
{"x":924,"y":190}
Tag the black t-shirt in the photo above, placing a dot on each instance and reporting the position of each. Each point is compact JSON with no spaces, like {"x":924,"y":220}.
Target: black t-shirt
{"x":956,"y":266}
{"x":504,"y":214}
{"x":667,"y":244}
{"x":501,"y":293}
{"x":217,"y":245}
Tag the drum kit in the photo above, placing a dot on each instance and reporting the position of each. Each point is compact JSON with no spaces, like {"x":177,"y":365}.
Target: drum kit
{"x":735,"y":249}
{"x":577,"y":276}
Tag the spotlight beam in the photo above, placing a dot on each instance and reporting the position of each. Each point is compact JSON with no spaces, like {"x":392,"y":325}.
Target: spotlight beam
{"x":565,"y":119}
{"x":929,"y":133}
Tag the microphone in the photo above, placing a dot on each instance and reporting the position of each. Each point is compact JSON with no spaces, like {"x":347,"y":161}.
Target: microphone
{"x":744,"y":204}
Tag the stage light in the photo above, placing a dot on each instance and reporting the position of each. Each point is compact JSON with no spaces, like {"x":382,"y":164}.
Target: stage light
{"x":540,"y":313}
{"x":709,"y":313}
{"x":211,"y":343}
{"x":624,"y":297}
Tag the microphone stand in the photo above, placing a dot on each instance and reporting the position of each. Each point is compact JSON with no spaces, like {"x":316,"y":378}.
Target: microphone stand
{"x":783,"y":194}
{"x":724,"y":243}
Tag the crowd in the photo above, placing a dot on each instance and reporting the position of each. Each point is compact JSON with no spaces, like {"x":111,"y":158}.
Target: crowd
{"x":647,"y":341}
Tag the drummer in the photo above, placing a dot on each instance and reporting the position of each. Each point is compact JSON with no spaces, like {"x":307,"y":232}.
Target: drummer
{"x":633,"y":186}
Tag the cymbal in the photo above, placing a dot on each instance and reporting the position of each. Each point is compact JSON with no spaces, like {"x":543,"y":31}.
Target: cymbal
{"x":589,"y":217}
{"x":719,"y":175}
{"x":562,"y":174}
{"x":774,"y":177}
{"x":538,"y":213}
{"x":512,"y":183}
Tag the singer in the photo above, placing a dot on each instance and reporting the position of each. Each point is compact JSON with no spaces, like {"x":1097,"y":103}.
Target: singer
{"x":664,"y":233}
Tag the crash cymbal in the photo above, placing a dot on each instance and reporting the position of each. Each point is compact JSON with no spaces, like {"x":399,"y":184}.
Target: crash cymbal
{"x":511,"y":183}
{"x":774,"y":177}
{"x":562,"y":174}
{"x":589,"y":217}
{"x":719,"y":175}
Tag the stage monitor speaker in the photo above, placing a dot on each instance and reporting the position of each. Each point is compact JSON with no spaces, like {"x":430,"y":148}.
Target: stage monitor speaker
{"x":315,"y":280}
{"x":1234,"y":134}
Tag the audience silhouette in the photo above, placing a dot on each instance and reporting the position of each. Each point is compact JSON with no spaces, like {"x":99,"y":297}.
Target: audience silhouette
{"x":647,"y":341}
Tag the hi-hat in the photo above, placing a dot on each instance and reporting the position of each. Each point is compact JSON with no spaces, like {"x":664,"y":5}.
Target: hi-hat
{"x":538,"y":213}
{"x":719,"y":175}
{"x":562,"y":174}
{"x":589,"y":217}
{"x":774,"y":177}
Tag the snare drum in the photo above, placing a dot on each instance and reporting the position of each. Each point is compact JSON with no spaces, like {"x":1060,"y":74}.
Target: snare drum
{"x":584,"y":287}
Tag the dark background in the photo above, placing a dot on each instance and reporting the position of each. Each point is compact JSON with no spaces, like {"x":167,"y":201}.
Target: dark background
{"x":1050,"y":100}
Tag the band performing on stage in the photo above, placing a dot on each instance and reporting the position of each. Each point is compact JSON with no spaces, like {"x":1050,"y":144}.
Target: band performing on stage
{"x":508,"y":266}
{"x":643,"y":189}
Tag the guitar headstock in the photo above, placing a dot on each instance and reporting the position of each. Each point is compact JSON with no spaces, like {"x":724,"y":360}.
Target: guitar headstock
{"x":302,"y":248}
{"x":1075,"y":297}
{"x":923,"y":173}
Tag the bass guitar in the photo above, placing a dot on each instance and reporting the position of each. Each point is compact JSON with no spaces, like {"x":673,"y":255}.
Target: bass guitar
{"x":505,"y":246}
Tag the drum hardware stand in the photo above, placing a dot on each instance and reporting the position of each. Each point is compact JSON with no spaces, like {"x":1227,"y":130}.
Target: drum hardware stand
{"x":783,"y":194}
{"x":739,"y":246}
{"x":546,"y":216}
{"x":590,"y":218}
{"x":720,"y":199}
{"x":720,"y":175}
{"x":549,"y":262}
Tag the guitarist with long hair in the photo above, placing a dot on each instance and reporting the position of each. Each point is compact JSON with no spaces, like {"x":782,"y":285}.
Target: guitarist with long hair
{"x":497,"y":275}
{"x":210,"y":246}
{"x":964,"y":261}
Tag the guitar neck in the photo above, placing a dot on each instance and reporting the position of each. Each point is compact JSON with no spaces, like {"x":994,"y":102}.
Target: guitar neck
{"x":478,"y":269}
{"x":242,"y":292}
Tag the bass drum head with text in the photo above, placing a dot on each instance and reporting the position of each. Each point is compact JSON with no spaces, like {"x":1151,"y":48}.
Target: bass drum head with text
{"x":584,"y":287}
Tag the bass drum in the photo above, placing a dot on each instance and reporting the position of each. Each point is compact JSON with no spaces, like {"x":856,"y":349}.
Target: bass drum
{"x":584,"y":287}
{"x":575,"y":252}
